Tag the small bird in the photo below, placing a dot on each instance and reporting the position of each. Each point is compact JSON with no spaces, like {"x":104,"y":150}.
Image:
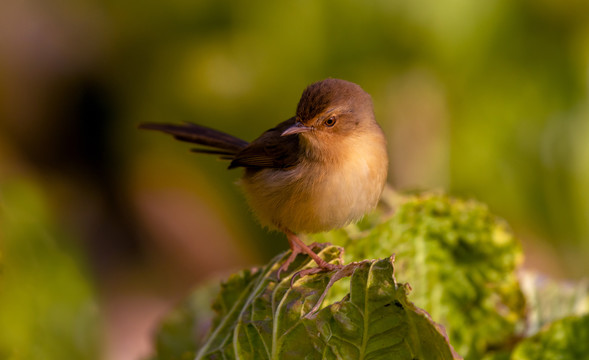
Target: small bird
{"x":320,"y":170}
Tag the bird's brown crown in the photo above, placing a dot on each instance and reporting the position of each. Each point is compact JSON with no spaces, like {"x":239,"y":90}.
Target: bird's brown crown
{"x":331,"y":94}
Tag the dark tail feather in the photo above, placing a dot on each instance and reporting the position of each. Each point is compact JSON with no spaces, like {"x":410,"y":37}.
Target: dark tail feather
{"x":225,"y":144}
{"x":214,"y":152}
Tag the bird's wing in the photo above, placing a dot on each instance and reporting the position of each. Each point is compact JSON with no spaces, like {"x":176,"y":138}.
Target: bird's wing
{"x":270,"y":150}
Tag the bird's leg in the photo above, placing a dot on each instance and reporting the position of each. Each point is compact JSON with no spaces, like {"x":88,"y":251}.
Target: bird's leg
{"x":297,"y":246}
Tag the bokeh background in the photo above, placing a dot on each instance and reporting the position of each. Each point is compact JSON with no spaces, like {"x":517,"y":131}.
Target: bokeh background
{"x":104,"y":227}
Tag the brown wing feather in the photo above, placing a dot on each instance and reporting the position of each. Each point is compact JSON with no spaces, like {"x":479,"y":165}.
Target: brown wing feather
{"x":270,"y":150}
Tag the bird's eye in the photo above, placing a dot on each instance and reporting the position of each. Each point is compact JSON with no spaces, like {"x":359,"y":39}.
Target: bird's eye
{"x":330,"y":121}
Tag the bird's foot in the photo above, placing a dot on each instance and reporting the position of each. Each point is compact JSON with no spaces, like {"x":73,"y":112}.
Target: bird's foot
{"x":297,"y":246}
{"x":296,"y":250}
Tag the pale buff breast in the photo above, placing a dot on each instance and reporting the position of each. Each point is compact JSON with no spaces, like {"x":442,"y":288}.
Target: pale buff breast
{"x":311,"y":198}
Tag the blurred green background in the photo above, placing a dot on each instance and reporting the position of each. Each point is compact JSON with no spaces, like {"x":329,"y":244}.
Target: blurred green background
{"x":103,"y":227}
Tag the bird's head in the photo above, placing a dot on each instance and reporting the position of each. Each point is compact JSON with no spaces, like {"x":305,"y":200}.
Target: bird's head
{"x":331,"y":111}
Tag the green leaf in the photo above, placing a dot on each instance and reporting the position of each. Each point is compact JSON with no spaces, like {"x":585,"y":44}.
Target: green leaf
{"x":253,"y":308}
{"x":261,"y":317}
{"x":564,"y":339}
{"x":378,"y":322}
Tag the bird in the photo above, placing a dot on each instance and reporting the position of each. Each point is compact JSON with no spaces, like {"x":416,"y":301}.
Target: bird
{"x":322,"y":169}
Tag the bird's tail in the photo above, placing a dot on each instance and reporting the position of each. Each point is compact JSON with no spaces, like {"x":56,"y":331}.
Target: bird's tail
{"x":215,"y":142}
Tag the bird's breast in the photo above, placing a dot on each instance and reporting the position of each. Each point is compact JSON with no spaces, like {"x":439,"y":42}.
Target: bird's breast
{"x":316,"y":195}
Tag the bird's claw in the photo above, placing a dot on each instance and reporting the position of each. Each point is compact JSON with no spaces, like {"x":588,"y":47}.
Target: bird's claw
{"x":293,"y":255}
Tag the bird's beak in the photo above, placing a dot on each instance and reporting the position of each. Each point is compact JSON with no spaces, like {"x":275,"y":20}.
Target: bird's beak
{"x":297,"y":128}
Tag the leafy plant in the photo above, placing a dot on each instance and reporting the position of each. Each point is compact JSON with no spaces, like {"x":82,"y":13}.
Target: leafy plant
{"x":261,"y":317}
{"x":461,"y":261}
